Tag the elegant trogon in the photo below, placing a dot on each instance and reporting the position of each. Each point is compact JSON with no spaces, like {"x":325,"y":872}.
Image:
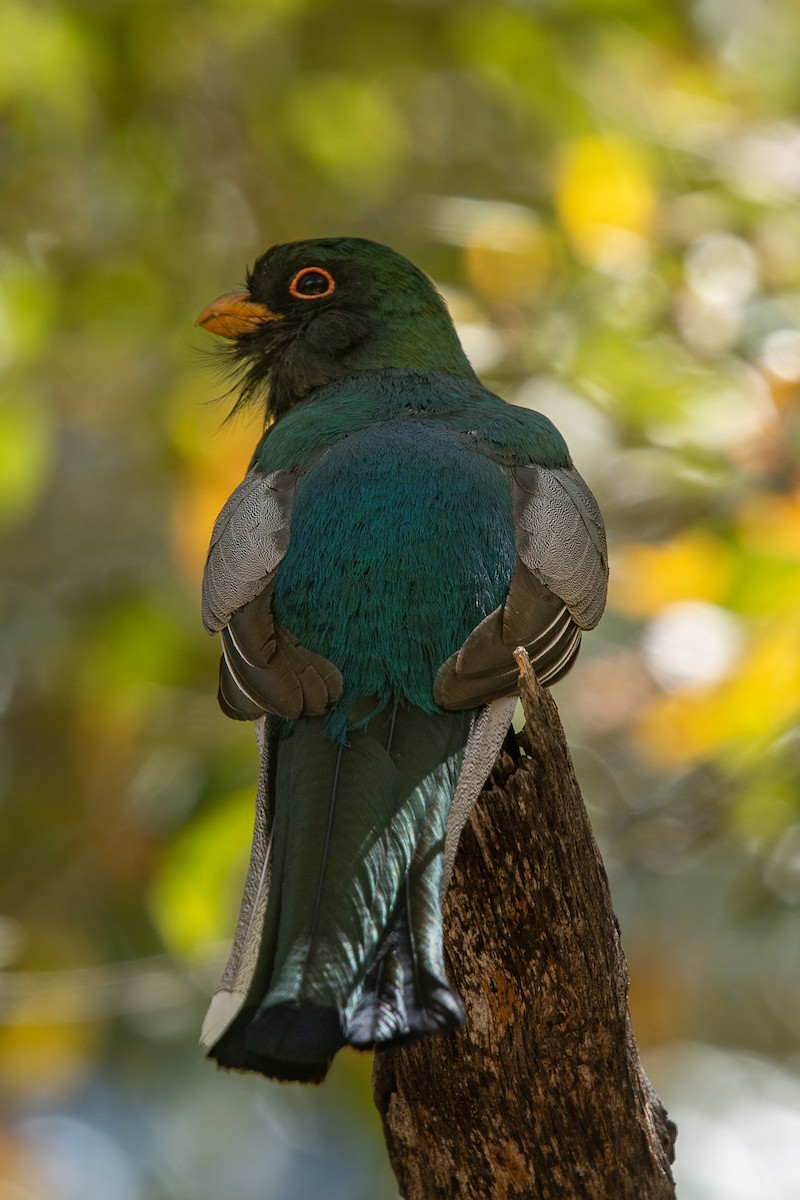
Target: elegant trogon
{"x":399,"y":532}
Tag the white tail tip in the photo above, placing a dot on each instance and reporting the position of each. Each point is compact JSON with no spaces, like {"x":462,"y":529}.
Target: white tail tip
{"x":223,"y":1009}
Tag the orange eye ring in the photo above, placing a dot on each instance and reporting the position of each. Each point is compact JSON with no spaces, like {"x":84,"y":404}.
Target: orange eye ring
{"x":294,"y":286}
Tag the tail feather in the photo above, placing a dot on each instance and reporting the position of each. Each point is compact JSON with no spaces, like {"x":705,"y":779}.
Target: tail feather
{"x":406,"y":993}
{"x":350,"y":946}
{"x":403,"y":996}
{"x":307,"y":1027}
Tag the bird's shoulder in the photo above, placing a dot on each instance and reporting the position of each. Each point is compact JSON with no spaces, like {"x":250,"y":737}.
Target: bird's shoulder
{"x":514,"y":436}
{"x":460,"y":405}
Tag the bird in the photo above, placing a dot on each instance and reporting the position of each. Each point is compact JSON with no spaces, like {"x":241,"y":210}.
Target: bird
{"x":399,"y":532}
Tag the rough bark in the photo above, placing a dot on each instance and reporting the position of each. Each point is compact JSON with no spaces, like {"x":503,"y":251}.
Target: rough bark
{"x":542,"y":1095}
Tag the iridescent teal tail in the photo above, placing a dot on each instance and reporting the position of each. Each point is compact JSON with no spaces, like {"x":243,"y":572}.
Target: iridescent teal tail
{"x":350,"y":943}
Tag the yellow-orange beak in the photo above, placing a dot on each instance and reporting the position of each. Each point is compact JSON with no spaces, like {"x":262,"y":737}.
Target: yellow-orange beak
{"x":233,"y":314}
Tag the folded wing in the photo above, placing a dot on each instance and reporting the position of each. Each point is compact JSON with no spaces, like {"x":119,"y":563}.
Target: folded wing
{"x":558,"y":589}
{"x":263,"y":667}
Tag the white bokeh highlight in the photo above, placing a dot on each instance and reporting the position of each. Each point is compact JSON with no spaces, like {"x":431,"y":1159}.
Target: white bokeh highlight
{"x":691,"y":644}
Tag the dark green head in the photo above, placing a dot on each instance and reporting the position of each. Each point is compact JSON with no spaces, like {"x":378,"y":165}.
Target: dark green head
{"x":319,"y":310}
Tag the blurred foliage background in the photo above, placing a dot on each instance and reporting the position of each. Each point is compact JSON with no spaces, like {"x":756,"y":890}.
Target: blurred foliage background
{"x":607,"y":192}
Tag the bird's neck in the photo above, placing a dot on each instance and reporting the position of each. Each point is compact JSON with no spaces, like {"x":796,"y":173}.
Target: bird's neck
{"x":407,"y":341}
{"x":404,"y":338}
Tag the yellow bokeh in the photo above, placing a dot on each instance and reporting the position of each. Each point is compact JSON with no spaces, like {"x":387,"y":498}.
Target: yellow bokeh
{"x":47,"y":1062}
{"x":736,"y":719}
{"x":508,"y":258}
{"x":771,"y":523}
{"x":194,"y":511}
{"x":26,"y":451}
{"x":215,"y":455}
{"x":647,"y":578}
{"x":191,"y":897}
{"x":605,"y":198}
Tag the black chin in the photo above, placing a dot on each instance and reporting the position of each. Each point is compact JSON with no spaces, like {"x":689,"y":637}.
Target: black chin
{"x":280,"y":365}
{"x":250,"y":362}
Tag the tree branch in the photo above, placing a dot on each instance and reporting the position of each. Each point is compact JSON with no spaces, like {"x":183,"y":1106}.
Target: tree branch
{"x":542,"y":1095}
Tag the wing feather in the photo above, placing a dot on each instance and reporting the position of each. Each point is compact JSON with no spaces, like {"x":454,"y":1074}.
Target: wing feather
{"x":264,"y":668}
{"x":558,"y":589}
{"x":561,"y":538}
{"x":249,"y":540}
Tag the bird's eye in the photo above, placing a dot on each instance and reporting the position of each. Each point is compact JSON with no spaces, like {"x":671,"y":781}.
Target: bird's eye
{"x":312,"y":283}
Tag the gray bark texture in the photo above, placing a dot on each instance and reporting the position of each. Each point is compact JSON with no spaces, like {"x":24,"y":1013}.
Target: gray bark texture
{"x":542,"y":1095}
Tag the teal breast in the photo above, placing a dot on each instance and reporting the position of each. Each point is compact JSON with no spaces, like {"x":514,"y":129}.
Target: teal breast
{"x":402,"y":541}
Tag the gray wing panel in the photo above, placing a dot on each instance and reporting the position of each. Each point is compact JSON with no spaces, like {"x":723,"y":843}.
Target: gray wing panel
{"x":561,"y":538}
{"x":250,"y":538}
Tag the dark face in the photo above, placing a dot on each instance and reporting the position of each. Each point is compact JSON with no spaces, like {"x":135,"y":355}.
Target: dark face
{"x":305,"y":280}
{"x":307,"y":306}
{"x":315,"y":311}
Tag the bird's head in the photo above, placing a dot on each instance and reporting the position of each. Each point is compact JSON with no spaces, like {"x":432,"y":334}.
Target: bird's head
{"x":316,"y":311}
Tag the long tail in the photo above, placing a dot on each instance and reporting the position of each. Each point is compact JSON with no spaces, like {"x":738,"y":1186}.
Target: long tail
{"x":349,"y":946}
